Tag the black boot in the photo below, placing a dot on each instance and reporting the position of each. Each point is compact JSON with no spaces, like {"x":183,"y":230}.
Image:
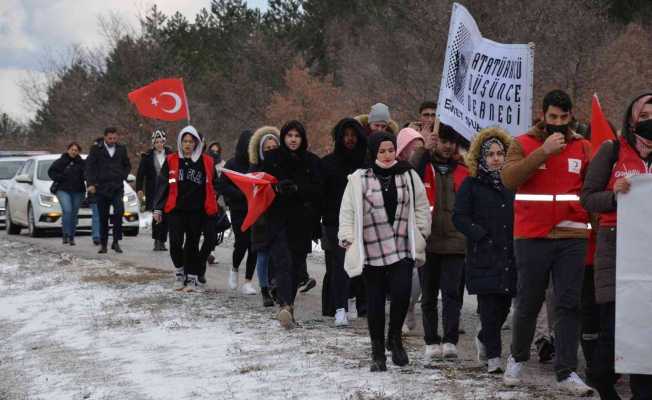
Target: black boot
{"x":399,"y":356}
{"x":116,"y":247}
{"x":162,"y":246}
{"x":102,"y":249}
{"x":65,"y":239}
{"x":156,"y":245}
{"x":588,"y":348}
{"x":267,"y":299}
{"x":71,"y":241}
{"x":378,"y":359}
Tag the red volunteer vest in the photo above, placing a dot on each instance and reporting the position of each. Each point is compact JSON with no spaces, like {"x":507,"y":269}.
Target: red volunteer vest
{"x":210,"y":202}
{"x":551,"y":195}
{"x":629,"y":163}
{"x":430,"y":181}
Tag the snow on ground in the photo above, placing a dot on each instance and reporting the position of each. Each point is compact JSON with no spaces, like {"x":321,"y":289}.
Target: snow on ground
{"x":92,"y":329}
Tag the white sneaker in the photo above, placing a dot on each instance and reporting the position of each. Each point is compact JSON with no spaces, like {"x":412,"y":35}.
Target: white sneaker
{"x":575,"y":385}
{"x":513,"y":371}
{"x":495,"y":365}
{"x":449,"y":350}
{"x":431,"y":352}
{"x":191,"y":284}
{"x":340,"y":317}
{"x":233,"y":279}
{"x":248,"y":288}
{"x":353,"y":311}
{"x":481,"y":350}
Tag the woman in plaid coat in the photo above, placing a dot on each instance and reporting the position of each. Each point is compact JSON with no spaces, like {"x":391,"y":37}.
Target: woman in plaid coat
{"x":384,"y":223}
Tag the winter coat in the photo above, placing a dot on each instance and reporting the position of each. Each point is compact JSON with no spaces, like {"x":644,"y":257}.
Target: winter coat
{"x":260,"y":235}
{"x":107,"y":173}
{"x":299,"y":212}
{"x":363,"y":119}
{"x":337,"y":166}
{"x":351,"y":225}
{"x":146,"y":177}
{"x":235,"y":199}
{"x":69,"y":173}
{"x":485,"y":215}
{"x":444,"y":237}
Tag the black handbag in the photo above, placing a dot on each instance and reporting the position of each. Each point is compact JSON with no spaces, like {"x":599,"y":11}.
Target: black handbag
{"x":54,"y":188}
{"x":222,"y":221}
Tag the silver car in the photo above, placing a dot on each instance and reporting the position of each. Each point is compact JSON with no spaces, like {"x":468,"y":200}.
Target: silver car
{"x":31,"y":205}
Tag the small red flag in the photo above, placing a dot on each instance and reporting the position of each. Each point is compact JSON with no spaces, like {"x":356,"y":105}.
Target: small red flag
{"x":257,"y":188}
{"x":600,"y":129}
{"x":164,"y":99}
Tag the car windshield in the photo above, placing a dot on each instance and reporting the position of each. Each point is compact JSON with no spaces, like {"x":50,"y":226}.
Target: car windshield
{"x":8,"y":168}
{"x":42,"y":173}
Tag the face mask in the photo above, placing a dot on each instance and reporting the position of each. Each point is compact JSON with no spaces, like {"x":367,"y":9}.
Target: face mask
{"x":644,"y":129}
{"x":556,"y":128}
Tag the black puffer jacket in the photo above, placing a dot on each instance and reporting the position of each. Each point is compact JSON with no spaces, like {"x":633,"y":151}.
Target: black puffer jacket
{"x":485,"y":215}
{"x":298,"y":211}
{"x":69,"y":172}
{"x":107,"y":173}
{"x":147,"y":177}
{"x":337,"y":166}
{"x":233,"y":196}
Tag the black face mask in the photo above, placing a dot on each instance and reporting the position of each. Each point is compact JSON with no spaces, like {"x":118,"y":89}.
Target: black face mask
{"x":563,"y":129}
{"x":644,"y":129}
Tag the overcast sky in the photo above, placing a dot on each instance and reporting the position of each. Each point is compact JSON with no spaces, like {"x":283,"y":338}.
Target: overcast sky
{"x":32,"y":29}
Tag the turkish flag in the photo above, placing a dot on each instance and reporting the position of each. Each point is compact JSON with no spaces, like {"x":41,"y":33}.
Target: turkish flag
{"x":600,"y":129}
{"x":257,"y":188}
{"x":164,"y":99}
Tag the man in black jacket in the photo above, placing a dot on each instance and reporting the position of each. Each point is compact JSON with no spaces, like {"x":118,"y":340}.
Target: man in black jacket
{"x":107,"y":167}
{"x":146,"y":178}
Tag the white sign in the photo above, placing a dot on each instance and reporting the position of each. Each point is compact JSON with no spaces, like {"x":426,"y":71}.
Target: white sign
{"x":634,"y":279}
{"x":484,"y":83}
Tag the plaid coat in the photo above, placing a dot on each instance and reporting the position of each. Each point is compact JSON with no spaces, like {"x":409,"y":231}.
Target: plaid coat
{"x":352,"y":221}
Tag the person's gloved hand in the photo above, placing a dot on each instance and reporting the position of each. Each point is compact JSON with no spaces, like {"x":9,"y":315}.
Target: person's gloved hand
{"x":286,"y":186}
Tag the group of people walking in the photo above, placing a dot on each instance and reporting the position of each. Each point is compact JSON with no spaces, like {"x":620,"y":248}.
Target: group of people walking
{"x":407,"y":214}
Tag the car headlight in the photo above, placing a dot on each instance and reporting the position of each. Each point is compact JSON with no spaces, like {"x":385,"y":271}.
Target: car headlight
{"x":47,"y":200}
{"x":130,"y":199}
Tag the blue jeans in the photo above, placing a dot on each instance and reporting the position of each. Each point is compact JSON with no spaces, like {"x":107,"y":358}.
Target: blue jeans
{"x":95,"y":222}
{"x":70,"y":207}
{"x":262,"y":268}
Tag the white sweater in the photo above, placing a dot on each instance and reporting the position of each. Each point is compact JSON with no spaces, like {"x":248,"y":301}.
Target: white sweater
{"x":351,"y":221}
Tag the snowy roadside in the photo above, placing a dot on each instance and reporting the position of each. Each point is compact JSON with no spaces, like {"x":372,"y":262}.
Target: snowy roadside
{"x":94,"y":329}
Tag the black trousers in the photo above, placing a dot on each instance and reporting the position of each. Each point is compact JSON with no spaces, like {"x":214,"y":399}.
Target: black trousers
{"x":589,"y":321}
{"x":493,"y":309}
{"x":605,"y":377}
{"x":536,"y":261}
{"x":104,"y":203}
{"x":395,"y":279}
{"x":443,"y":272}
{"x":160,"y":230}
{"x":241,"y":247}
{"x":185,"y":232}
{"x":287,"y":266}
{"x":335,"y":290}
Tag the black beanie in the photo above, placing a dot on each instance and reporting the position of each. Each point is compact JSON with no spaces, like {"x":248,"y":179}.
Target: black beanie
{"x":376,"y":139}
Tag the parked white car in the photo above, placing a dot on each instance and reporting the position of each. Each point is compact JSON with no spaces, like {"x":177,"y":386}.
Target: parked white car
{"x":8,"y":168}
{"x":29,"y":203}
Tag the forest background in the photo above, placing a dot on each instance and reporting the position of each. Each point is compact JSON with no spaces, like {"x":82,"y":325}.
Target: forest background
{"x":319,"y":61}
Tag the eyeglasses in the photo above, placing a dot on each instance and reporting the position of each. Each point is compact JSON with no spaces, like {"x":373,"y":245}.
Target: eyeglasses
{"x":429,"y":115}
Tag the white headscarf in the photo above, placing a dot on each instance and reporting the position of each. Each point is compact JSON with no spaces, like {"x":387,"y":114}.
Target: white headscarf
{"x":198,"y":149}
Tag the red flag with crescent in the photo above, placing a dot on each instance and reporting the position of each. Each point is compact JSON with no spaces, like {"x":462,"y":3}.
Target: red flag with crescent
{"x":257,"y":188}
{"x":164,"y":99}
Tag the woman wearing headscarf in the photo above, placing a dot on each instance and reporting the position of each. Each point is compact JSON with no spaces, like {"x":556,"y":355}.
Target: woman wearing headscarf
{"x":607,"y":176}
{"x":264,"y":140}
{"x":384,"y":220}
{"x":291,"y":215}
{"x":484,"y":213}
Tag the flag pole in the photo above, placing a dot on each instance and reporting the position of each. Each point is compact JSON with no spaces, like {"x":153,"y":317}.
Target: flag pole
{"x":185,"y":98}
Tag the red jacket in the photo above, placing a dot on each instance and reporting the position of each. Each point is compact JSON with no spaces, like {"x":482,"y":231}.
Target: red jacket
{"x":629,"y":163}
{"x":550,"y":198}
{"x":210,"y":201}
{"x":430,"y":181}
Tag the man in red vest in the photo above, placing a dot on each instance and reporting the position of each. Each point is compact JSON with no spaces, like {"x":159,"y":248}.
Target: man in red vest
{"x":546,"y":168}
{"x":443,"y":174}
{"x":187,"y":196}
